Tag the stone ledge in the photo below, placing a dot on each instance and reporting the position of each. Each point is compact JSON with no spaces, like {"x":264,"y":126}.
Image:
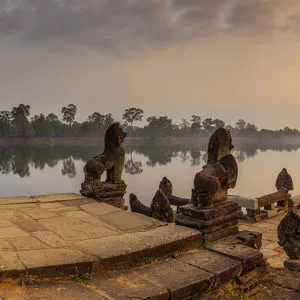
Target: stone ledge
{"x":130,"y":249}
{"x":250,"y":257}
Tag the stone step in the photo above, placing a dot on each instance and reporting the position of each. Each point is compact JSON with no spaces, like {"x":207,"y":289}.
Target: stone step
{"x":186,"y":275}
{"x":131,"y":249}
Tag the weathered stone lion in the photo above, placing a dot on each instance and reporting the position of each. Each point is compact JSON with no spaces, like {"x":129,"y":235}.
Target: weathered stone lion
{"x":220,"y":173}
{"x":111,"y":160}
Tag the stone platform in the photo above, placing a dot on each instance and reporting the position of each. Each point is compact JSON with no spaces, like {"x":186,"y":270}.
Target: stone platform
{"x":61,"y":234}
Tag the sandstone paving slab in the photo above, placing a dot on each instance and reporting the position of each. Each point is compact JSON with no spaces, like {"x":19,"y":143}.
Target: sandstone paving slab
{"x":63,"y":290}
{"x":16,"y":200}
{"x":88,"y":218}
{"x":38,"y":213}
{"x":180,"y":279}
{"x":130,"y":286}
{"x":78,"y":202}
{"x":99,"y":208}
{"x":12,"y":214}
{"x":51,"y":205}
{"x":57,"y":258}
{"x":12,"y":232}
{"x":128,"y":248}
{"x":29,"y":225}
{"x":249,"y":256}
{"x":57,"y":197}
{"x":5,"y":245}
{"x":71,"y":229}
{"x":51,"y":239}
{"x":27,"y":243}
{"x":223,"y":267}
{"x":10,"y":264}
{"x":128,"y":221}
{"x":5,"y":223}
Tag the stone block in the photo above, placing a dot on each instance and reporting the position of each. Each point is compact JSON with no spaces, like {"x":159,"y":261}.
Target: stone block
{"x":46,"y":261}
{"x":292,"y":264}
{"x":16,"y":200}
{"x":180,"y":279}
{"x":189,"y":221}
{"x":221,"y":233}
{"x":29,"y":225}
{"x":221,"y":209}
{"x":134,"y":248}
{"x":248,"y":238}
{"x":224,"y":268}
{"x":50,"y":238}
{"x":12,"y":232}
{"x":250,"y":257}
{"x":57,"y":197}
{"x":27,"y":243}
{"x":250,"y":203}
{"x":130,"y":222}
{"x":71,"y":229}
{"x":38,"y":213}
{"x":10,"y":265}
{"x":130,"y":286}
{"x":99,"y":209}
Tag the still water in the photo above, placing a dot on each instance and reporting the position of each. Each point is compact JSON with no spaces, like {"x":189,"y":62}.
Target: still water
{"x":45,"y":170}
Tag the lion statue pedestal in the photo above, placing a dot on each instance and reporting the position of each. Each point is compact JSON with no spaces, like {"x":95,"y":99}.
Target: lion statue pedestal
{"x":110,"y":161}
{"x":210,"y":211}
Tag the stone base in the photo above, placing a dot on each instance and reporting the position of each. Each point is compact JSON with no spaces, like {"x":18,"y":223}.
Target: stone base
{"x":292,"y":264}
{"x":110,"y":193}
{"x":214,"y":222}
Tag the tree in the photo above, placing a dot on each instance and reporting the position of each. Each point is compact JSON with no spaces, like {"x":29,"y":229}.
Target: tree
{"x":240,"y":124}
{"x":52,"y":118}
{"x":20,"y":111}
{"x":208,"y":124}
{"x":69,"y":113}
{"x":5,"y":120}
{"x":196,"y":124}
{"x":20,"y":124}
{"x":132,"y":114}
{"x":219,"y":123}
{"x":41,"y":126}
{"x":251,"y":127}
{"x":184,"y":126}
{"x":159,"y":126}
{"x":97,"y":120}
{"x":108,"y":120}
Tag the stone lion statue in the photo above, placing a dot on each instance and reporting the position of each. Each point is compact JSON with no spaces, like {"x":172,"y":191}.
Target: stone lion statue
{"x":284,"y":181}
{"x":289,"y":235}
{"x":220,"y":173}
{"x":111,"y":160}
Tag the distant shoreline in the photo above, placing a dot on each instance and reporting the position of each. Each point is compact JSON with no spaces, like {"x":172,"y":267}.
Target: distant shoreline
{"x":143,"y":141}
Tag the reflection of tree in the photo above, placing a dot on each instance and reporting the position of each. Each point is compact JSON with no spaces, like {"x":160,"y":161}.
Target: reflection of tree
{"x":69,"y":168}
{"x":133,"y":167}
{"x":195,"y":157}
{"x":160,"y":156}
{"x":184,"y":155}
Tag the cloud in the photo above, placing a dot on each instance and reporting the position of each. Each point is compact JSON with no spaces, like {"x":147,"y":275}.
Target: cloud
{"x":252,"y":18}
{"x":117,"y":25}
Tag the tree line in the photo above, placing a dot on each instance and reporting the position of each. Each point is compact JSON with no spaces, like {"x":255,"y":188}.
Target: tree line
{"x":19,"y":123}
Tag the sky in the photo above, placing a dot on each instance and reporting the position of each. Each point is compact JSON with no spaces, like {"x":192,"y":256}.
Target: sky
{"x":226,"y":59}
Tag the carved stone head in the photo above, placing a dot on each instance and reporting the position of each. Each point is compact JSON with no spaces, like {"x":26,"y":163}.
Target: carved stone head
{"x":114,"y":136}
{"x":220,"y":144}
{"x":166,"y":186}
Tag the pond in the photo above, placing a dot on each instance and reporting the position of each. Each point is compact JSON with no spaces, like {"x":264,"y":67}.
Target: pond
{"x":49,"y":170}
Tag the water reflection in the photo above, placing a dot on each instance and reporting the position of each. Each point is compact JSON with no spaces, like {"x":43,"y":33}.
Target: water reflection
{"x":20,"y":160}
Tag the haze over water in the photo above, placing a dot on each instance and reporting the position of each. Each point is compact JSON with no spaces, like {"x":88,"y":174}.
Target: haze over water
{"x":33,"y":171}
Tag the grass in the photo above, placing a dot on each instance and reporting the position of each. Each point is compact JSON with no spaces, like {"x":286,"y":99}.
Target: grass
{"x":83,"y":279}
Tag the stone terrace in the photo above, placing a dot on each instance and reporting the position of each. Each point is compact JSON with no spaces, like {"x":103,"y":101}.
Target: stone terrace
{"x":62,"y":233}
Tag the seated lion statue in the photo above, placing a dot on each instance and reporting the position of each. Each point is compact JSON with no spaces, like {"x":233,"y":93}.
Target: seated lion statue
{"x":111,"y":160}
{"x":220,"y":173}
